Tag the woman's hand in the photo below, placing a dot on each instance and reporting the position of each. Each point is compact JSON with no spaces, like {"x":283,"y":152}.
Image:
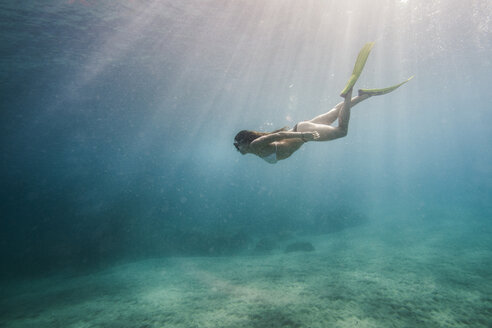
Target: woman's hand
{"x":309,"y":136}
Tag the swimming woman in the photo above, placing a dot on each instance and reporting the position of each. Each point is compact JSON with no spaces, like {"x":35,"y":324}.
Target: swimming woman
{"x":280,"y":144}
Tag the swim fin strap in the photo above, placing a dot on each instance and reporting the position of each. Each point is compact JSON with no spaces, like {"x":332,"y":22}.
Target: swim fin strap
{"x":377,"y":92}
{"x":359,"y":65}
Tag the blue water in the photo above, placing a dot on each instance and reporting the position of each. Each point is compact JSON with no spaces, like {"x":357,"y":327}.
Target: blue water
{"x":118,"y":118}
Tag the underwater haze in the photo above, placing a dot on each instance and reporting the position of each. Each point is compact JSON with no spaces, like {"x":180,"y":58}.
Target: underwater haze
{"x":125,"y":204}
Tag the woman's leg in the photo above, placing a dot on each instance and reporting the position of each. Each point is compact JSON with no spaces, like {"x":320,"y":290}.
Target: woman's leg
{"x":326,"y":131}
{"x":331,"y":116}
{"x":344,"y":113}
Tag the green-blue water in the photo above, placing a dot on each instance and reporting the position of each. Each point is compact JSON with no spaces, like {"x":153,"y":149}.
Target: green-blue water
{"x":118,"y":118}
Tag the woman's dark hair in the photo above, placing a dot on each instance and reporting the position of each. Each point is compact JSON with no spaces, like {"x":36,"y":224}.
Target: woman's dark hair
{"x":246,"y":136}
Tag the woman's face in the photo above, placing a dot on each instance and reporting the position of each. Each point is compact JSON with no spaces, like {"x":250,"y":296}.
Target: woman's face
{"x":241,"y":147}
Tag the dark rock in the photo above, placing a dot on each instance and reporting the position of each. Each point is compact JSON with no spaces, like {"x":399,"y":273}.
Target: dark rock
{"x":301,"y":246}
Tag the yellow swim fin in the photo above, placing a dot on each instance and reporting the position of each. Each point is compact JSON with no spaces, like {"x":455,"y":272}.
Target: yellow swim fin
{"x":377,"y":92}
{"x":359,"y":65}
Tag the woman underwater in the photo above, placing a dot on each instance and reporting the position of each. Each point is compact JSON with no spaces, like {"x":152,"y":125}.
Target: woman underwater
{"x":280,"y":144}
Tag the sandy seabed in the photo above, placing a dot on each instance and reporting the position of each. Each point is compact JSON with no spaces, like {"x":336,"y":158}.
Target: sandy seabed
{"x":414,"y":277}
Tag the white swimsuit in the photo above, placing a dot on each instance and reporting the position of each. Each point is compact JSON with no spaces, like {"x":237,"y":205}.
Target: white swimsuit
{"x":272,"y":158}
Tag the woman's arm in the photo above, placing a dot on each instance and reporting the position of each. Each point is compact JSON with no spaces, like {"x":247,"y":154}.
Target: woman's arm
{"x":305,"y":136}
